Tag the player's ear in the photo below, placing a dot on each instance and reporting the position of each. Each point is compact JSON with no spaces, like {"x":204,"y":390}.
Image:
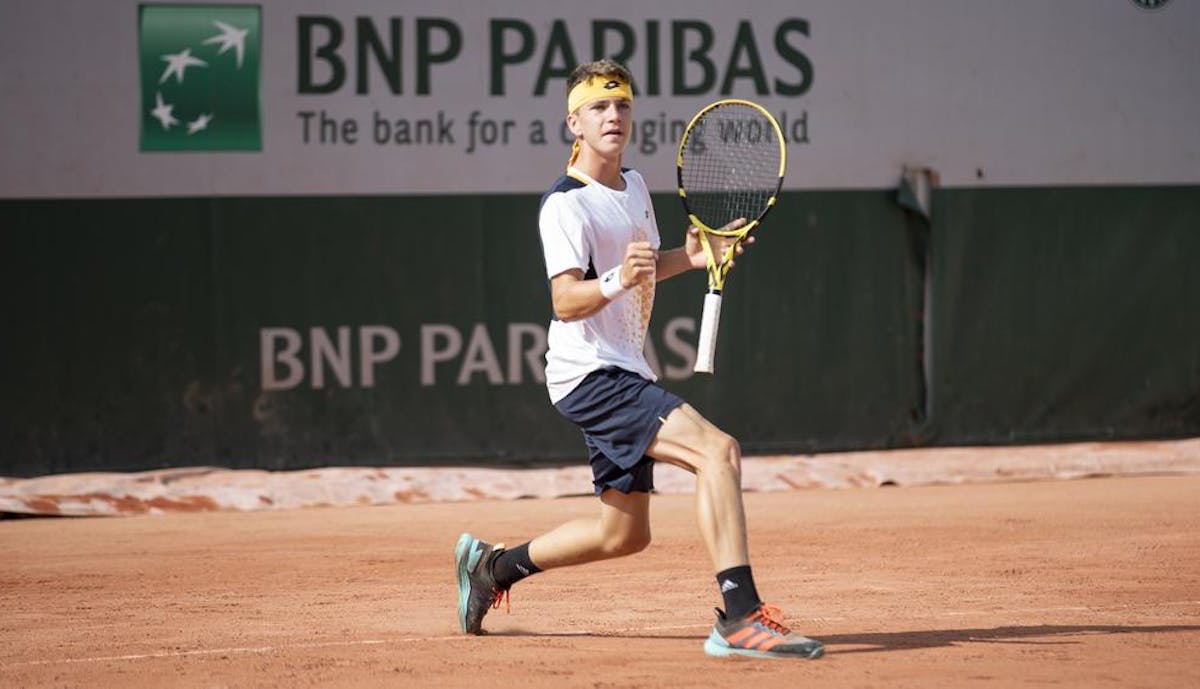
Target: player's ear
{"x":573,"y":124}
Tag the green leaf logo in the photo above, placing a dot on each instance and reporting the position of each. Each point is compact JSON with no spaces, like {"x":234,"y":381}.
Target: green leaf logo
{"x":200,"y":77}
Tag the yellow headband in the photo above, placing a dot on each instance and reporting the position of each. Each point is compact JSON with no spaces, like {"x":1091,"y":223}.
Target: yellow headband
{"x":593,"y":88}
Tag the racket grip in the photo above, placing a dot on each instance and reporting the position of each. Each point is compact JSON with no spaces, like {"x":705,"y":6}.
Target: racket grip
{"x":706,"y":346}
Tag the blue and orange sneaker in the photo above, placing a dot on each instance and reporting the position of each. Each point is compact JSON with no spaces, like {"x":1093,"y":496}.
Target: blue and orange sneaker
{"x":477,"y":590}
{"x":760,"y":634}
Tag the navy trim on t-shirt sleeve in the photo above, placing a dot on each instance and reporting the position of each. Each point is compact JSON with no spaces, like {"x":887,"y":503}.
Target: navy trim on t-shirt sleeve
{"x":564,"y":183}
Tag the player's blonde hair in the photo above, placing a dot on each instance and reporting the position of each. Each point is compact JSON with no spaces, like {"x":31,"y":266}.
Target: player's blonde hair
{"x":597,"y":68}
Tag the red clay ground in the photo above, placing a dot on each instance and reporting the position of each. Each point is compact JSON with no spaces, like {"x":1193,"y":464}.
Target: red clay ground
{"x":1091,"y":583}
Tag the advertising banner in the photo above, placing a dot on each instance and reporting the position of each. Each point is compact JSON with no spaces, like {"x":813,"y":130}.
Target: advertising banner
{"x":121,"y":98}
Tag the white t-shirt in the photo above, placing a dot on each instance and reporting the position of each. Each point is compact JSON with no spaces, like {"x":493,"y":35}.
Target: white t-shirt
{"x":587,"y":225}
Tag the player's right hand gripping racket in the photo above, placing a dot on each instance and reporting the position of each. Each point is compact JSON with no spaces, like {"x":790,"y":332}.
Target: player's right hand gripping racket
{"x":730,"y":167}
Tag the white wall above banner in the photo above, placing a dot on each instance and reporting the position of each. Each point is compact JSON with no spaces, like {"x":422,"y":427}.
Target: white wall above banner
{"x":121,"y":98}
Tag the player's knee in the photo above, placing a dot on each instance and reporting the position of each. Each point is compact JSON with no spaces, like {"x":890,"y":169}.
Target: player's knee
{"x":637,"y":542}
{"x":735,"y":454}
{"x":726,"y":451}
{"x":628,"y":542}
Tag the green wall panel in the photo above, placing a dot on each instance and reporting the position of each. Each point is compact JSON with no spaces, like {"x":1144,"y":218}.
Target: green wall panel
{"x":1066,"y":314}
{"x":135,"y":327}
{"x":135,"y":331}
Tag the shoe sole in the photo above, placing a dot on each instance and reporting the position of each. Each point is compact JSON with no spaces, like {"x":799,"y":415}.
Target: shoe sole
{"x":719,"y":649}
{"x":462,"y":568}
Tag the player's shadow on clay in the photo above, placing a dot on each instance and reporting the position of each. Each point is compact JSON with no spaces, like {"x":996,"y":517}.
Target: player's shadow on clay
{"x":1046,"y":634}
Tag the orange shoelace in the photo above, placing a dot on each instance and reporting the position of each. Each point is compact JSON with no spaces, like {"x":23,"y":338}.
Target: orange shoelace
{"x":771,"y":617}
{"x":499,"y":595}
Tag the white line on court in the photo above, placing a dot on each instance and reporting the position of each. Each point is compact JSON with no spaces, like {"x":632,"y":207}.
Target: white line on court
{"x":247,"y":650}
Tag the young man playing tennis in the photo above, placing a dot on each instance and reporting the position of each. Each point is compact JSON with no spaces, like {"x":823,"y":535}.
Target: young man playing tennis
{"x":601,"y":246}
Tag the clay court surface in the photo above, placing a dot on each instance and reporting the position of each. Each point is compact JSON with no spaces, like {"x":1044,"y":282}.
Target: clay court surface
{"x":1083,"y":583}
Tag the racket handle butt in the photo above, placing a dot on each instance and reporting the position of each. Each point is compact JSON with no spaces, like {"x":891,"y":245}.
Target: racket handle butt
{"x":706,"y":345}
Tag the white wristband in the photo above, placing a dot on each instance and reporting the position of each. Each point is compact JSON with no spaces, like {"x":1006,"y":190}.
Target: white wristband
{"x":610,"y":283}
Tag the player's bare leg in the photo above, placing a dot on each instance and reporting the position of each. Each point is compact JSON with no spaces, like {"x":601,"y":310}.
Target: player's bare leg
{"x":690,"y":441}
{"x":747,"y":626}
{"x":486,"y":572}
{"x":622,"y":528}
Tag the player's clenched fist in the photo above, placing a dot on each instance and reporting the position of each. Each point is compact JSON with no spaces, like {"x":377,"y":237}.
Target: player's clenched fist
{"x":640,"y":264}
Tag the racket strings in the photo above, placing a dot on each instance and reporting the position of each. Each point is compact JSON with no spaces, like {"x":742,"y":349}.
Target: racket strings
{"x":730,"y":165}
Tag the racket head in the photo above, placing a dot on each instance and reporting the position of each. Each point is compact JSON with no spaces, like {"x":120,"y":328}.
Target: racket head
{"x":730,"y":165}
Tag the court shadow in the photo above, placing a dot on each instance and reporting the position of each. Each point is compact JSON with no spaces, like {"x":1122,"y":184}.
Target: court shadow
{"x":598,"y":635}
{"x":1038,"y":635}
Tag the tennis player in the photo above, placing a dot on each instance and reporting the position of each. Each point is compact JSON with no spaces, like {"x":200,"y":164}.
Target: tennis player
{"x":601,"y":246}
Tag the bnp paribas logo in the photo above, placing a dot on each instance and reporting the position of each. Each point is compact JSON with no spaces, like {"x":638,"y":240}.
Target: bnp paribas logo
{"x":200,"y":77}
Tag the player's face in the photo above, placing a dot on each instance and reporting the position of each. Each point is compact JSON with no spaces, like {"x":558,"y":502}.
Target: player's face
{"x":604,"y":124}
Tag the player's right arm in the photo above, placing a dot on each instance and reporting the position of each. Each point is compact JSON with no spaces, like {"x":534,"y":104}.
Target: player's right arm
{"x":574,"y":298}
{"x":566,"y":246}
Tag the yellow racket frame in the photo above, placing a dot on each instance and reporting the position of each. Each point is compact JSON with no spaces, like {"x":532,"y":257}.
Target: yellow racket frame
{"x":719,"y":269}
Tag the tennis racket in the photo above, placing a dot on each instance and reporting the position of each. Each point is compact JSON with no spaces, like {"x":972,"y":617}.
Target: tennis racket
{"x":730,"y":169}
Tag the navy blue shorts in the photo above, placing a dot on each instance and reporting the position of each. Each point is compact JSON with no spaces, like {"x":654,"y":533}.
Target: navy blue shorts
{"x":620,"y":414}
